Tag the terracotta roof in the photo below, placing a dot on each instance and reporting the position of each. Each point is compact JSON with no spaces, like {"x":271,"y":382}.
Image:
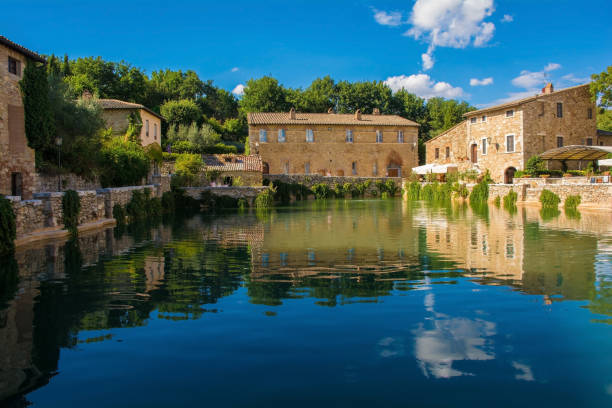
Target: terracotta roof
{"x":117,"y":104}
{"x":518,"y":101}
{"x":233,"y":162}
{"x":602,"y":132}
{"x":21,"y":49}
{"x":284,"y":118}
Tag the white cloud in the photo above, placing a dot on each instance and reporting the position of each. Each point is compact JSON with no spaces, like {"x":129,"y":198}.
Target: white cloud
{"x":507,"y":18}
{"x":235,"y":69}
{"x":531,"y":80}
{"x":423,"y":86}
{"x":393,"y":18}
{"x":238,"y":90}
{"x":524,"y":371}
{"x":428,"y":61}
{"x":574,"y":79}
{"x":481,"y":82}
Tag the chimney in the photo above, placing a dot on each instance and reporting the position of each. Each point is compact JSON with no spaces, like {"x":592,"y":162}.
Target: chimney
{"x":330,"y":110}
{"x":86,"y":95}
{"x":358,"y":114}
{"x":376,"y":111}
{"x":292,"y":113}
{"x":548,"y":89}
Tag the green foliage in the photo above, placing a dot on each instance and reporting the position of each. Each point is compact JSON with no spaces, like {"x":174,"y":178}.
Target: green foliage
{"x":119,"y":215}
{"x":601,"y":88}
{"x":123,"y":163}
{"x":187,"y":169}
{"x":549,"y":199}
{"x":461,"y":190}
{"x":264,"y":95}
{"x":71,"y":208}
{"x":497,"y":201}
{"x":8,"y":229}
{"x":437,"y":192}
{"x":480,"y":193}
{"x":242,"y":204}
{"x":510,"y":201}
{"x":39,"y":117}
{"x":265,"y":199}
{"x":154,"y":153}
{"x":321,"y":191}
{"x":142,"y":207}
{"x":572,"y":202}
{"x":604,"y":119}
{"x":414,"y":191}
{"x":181,"y":112}
{"x":385,"y":195}
{"x":168,"y":202}
{"x":548,"y":213}
{"x":247,"y":147}
{"x":183,"y":202}
{"x":535,"y":165}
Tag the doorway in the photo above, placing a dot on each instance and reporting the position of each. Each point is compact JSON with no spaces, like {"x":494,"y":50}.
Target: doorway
{"x":474,"y":153}
{"x":16,"y":184}
{"x":509,"y":175}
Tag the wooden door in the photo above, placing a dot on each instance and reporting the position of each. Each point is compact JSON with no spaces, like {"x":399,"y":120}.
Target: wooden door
{"x":474,"y":153}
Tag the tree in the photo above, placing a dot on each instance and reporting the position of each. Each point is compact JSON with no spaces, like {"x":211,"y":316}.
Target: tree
{"x":444,"y":114}
{"x":318,"y":97}
{"x":604,"y":120}
{"x":181,"y":112}
{"x":601,"y":88}
{"x":264,"y":95}
{"x":364,"y":96}
{"x":39,"y":118}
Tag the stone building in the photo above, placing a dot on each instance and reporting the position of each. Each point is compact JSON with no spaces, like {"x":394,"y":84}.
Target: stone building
{"x":502,"y":138}
{"x":117,"y":116}
{"x":332,"y":144}
{"x":17,"y":167}
{"x":232,"y":167}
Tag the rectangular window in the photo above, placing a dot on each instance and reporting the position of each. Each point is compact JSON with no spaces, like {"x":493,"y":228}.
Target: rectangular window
{"x":510,"y":113}
{"x":509,"y":143}
{"x":473,"y":120}
{"x":589,"y":141}
{"x":559,"y":141}
{"x":484,"y":146}
{"x":155,"y":131}
{"x":484,"y":118}
{"x":379,"y":136}
{"x":281,"y":136}
{"x":147,"y":127}
{"x":374,"y":169}
{"x":286,"y":167}
{"x":14,"y":66}
{"x":447,"y":152}
{"x":437,"y":153}
{"x":354,"y":168}
{"x":590,"y":113}
{"x":263,"y":135}
{"x":559,"y":110}
{"x":349,"y":136}
{"x":309,"y":136}
{"x":307,"y":168}
{"x":400,"y":136}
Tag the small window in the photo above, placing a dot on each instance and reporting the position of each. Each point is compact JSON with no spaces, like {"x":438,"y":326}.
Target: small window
{"x":473,"y":120}
{"x":14,"y":66}
{"x":349,"y":136}
{"x":559,"y":110}
{"x":354,"y":168}
{"x":309,"y":136}
{"x":447,"y":152}
{"x":307,"y":168}
{"x":374,"y":169}
{"x":147,"y":127}
{"x":510,"y":113}
{"x":590,"y":113}
{"x":263,"y":135}
{"x":286,"y":167}
{"x":484,"y":146}
{"x":400,"y":136}
{"x":589,"y":141}
{"x":437,"y":153}
{"x":379,"y":136}
{"x":509,"y":143}
{"x":559,"y":141}
{"x":281,"y":136}
{"x":484,"y":118}
{"x":155,"y":131}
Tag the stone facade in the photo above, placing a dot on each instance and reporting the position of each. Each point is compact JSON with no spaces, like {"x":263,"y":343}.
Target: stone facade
{"x":48,"y":182}
{"x":16,"y":158}
{"x":117,"y":119}
{"x":329,"y":153}
{"x":501,"y":139}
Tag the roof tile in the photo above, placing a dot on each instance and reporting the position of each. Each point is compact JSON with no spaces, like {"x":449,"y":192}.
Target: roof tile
{"x":284,"y":118}
{"x":233,"y":162}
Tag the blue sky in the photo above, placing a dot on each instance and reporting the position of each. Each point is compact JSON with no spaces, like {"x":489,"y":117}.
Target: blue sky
{"x":430,"y":47}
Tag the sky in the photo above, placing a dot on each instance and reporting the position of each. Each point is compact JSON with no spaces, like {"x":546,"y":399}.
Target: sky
{"x":481,"y":51}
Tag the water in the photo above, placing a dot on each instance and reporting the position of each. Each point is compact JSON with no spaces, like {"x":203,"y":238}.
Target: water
{"x":345,"y":303}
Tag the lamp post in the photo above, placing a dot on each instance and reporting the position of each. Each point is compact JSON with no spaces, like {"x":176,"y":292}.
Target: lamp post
{"x":58,"y":142}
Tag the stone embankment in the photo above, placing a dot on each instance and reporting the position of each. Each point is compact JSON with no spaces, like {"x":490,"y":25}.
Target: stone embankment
{"x":313,"y":179}
{"x":247,"y":193}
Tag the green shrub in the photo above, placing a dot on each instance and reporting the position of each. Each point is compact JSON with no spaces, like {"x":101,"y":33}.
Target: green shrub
{"x":155,"y":209}
{"x":461,"y":190}
{"x":428,"y":192}
{"x":123,"y":163}
{"x":535,"y":165}
{"x":549,"y":199}
{"x":168,"y":203}
{"x":497,"y":201}
{"x":71,"y":207}
{"x":521,"y":173}
{"x":347,"y":188}
{"x":572,"y":202}
{"x":265,"y":199}
{"x":380,"y":186}
{"x":576,"y":172}
{"x":510,"y":199}
{"x":183,"y":202}
{"x":414,"y":190}
{"x":242,"y":204}
{"x":385,"y":195}
{"x":119,"y":215}
{"x":321,"y":191}
{"x":391,"y":188}
{"x":548,"y":213}
{"x":187,"y":169}
{"x":8,"y":229}
{"x":136,"y":208}
{"x":480,"y":193}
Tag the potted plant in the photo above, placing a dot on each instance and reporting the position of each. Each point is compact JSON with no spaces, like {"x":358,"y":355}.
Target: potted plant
{"x":567,"y":175}
{"x":544,"y":176}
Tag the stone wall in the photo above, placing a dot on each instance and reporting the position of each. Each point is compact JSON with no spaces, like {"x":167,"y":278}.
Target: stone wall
{"x":502,"y":190}
{"x":248,"y":193}
{"x":123,"y":195}
{"x":592,"y":195}
{"x":29,"y":215}
{"x":48,"y":183}
{"x":539,"y":181}
{"x":311,"y":180}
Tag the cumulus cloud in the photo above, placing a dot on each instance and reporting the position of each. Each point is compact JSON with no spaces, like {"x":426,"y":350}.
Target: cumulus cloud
{"x":238,"y":90}
{"x":481,"y":82}
{"x":235,"y":69}
{"x":524,"y":371}
{"x":393,"y":18}
{"x":574,"y":79}
{"x":423,"y":86}
{"x":507,"y":18}
{"x":428,"y":61}
{"x":531,"y":80}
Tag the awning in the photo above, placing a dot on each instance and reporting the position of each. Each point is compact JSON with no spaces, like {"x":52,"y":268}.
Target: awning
{"x":577,"y":152}
{"x":434,"y":168}
{"x":605,"y":162}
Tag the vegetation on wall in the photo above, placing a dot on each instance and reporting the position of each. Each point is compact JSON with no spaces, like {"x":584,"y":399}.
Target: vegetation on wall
{"x":572,"y":202}
{"x":549,"y":199}
{"x":480,"y":193}
{"x":71,"y":208}
{"x":265,"y":199}
{"x":187,"y":169}
{"x":126,"y":163}
{"x":510,"y":201}
{"x":8,"y":229}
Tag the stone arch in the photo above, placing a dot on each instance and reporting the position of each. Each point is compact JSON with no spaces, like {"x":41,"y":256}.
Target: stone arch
{"x":265,"y":168}
{"x":509,"y":174}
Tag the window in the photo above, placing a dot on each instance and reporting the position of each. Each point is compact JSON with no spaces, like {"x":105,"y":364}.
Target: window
{"x":589,"y":141}
{"x":309,"y":136}
{"x":155,"y":131}
{"x":354,"y":168}
{"x":437,"y":153}
{"x":484,"y":118}
{"x":281,"y":136}
{"x":559,"y":141}
{"x":473,"y":120}
{"x":590,"y":113}
{"x":601,"y":143}
{"x":263,"y":135}
{"x":559,"y":110}
{"x":286,"y":167}
{"x":374,"y":169}
{"x":379,"y":136}
{"x":14,"y":66}
{"x":147,"y":127}
{"x":349,"y":136}
{"x":400,"y":136}
{"x":447,"y":152}
{"x":509,"y":143}
{"x":510,"y":113}
{"x":307,"y":168}
{"x":484,"y":145}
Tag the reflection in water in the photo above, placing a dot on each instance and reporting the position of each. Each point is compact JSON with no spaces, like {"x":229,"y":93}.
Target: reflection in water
{"x":364,"y":255}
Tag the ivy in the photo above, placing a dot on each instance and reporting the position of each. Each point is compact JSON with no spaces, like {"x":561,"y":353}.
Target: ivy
{"x":8,"y":229}
{"x":71,"y":207}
